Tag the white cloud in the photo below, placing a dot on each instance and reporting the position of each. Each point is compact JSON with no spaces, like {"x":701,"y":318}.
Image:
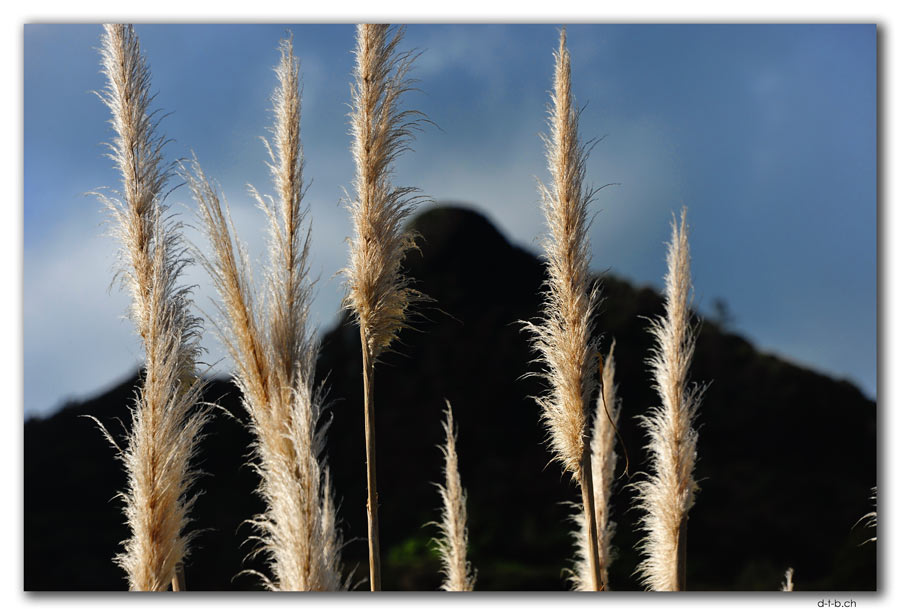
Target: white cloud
{"x":76,"y":339}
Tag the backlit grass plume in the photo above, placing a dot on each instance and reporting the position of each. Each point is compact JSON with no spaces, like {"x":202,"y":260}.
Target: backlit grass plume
{"x":275,"y":356}
{"x":452,"y":544}
{"x":165,"y":432}
{"x":871,"y":518}
{"x":563,"y":337}
{"x":378,"y":294}
{"x":668,"y":493}
{"x":788,"y":584}
{"x":603,"y":464}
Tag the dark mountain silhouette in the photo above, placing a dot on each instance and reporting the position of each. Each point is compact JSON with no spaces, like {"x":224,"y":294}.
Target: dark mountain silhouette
{"x":786,"y":456}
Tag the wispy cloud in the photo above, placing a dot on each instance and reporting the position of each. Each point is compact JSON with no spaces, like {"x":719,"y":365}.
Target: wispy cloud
{"x":76,"y":336}
{"x":723,"y":125}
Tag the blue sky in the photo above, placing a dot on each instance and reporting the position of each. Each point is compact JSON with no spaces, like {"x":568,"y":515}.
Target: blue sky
{"x":766,"y":133}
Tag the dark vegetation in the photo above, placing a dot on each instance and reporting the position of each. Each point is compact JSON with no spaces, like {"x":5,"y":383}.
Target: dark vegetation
{"x":787,"y":457}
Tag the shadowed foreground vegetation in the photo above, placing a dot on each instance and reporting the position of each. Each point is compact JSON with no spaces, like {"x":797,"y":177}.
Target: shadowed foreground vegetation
{"x":786,"y":456}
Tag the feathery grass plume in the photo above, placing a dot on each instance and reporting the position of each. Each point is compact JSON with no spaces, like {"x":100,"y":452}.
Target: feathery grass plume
{"x":788,"y":585}
{"x":871,"y":518}
{"x":275,"y":357}
{"x":452,"y":544}
{"x":165,"y":432}
{"x":668,"y":493}
{"x":378,"y":294}
{"x":603,"y":464}
{"x":562,"y":338}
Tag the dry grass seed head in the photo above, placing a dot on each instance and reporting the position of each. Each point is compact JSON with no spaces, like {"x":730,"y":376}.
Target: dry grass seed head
{"x":275,"y":358}
{"x":603,"y":461}
{"x":454,"y":538}
{"x":788,"y":584}
{"x":563,"y":338}
{"x":668,"y":493}
{"x":166,"y":420}
{"x":871,"y":518}
{"x":378,"y":294}
{"x":289,"y":288}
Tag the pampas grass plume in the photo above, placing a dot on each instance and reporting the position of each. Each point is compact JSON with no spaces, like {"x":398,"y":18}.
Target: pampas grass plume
{"x":603,"y":460}
{"x":562,"y":338}
{"x":275,"y":357}
{"x":378,"y":294}
{"x":452,"y":544}
{"x":165,"y":432}
{"x":871,"y":518}
{"x":788,"y":584}
{"x":668,"y":493}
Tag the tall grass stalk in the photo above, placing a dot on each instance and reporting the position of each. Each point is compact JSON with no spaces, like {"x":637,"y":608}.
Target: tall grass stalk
{"x":452,"y":544}
{"x":603,"y":464}
{"x":668,"y":493}
{"x":378,"y":294}
{"x":275,"y":352}
{"x":563,"y":337}
{"x":165,"y":432}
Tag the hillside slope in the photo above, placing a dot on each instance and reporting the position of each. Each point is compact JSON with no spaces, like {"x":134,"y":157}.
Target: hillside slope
{"x":787,"y":456}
